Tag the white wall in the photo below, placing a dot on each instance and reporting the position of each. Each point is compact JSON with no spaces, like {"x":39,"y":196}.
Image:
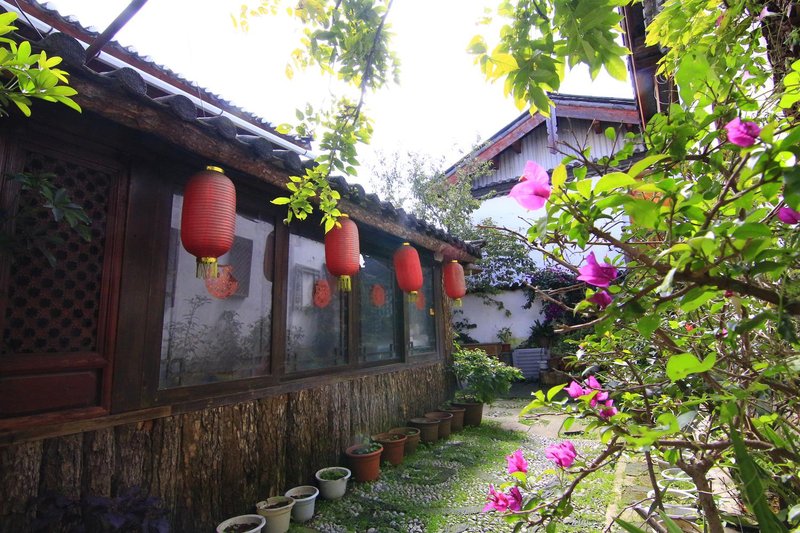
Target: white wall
{"x":489,"y":319}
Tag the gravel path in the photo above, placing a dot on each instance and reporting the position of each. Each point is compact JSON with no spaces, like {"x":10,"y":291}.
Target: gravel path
{"x":443,"y":487}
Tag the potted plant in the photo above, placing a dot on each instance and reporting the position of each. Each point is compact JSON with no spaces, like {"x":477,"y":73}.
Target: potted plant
{"x":444,"y":419}
{"x":428,"y":427}
{"x":332,"y":481}
{"x":393,"y":446}
{"x":412,"y":438}
{"x":484,"y":378}
{"x":365,"y":460}
{"x":457,"y":422}
{"x":304,"y":497}
{"x":277,"y":511}
{"x":246,"y":523}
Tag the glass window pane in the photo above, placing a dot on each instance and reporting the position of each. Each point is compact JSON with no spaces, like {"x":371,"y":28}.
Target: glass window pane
{"x":378,"y":321}
{"x":315,"y":333}
{"x":421,"y":317}
{"x":218,"y":330}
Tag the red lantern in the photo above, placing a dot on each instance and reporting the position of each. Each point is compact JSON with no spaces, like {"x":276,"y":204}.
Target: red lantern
{"x":408,"y":270}
{"x":342,"y":254}
{"x":208,"y":218}
{"x":378,"y":295}
{"x":454,"y":285}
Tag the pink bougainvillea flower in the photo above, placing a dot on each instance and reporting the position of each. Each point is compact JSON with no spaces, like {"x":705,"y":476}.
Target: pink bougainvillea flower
{"x":533,"y":189}
{"x":596,"y":274}
{"x":500,"y":501}
{"x":608,"y":410}
{"x":787,"y":215}
{"x":601,"y":298}
{"x":592,"y":382}
{"x":517,"y":463}
{"x":720,"y":18}
{"x":562,"y":454}
{"x":514,"y":499}
{"x":742,"y":133}
{"x":575,"y":390}
{"x":600,"y":397}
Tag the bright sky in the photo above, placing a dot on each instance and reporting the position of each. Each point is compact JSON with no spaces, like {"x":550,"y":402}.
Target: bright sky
{"x":442,"y":107}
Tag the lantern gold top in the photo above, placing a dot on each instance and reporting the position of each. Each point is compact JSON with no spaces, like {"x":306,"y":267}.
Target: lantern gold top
{"x":215,"y":169}
{"x":406,"y":244}
{"x":345,"y":215}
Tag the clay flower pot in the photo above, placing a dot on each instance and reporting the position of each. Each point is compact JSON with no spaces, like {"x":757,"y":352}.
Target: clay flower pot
{"x":412,"y":438}
{"x":332,"y":481}
{"x":473,"y":412}
{"x":444,"y":422}
{"x":365,"y":461}
{"x":428,"y":428}
{"x":277,"y":511}
{"x":393,"y":446}
{"x":256,"y":521}
{"x":304,"y":496}
{"x":457,"y":423}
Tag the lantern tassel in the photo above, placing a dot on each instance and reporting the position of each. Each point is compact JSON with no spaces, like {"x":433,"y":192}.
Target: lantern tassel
{"x":344,"y":283}
{"x":457,"y":302}
{"x":207,"y":268}
{"x":412,"y":296}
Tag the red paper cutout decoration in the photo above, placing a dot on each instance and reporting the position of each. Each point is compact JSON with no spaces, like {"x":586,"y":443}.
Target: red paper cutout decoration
{"x":420,"y":303}
{"x":378,"y":295}
{"x":208,"y":218}
{"x":454,"y":285}
{"x":322,"y":293}
{"x":223,"y":286}
{"x":342,"y":253}
{"x":408,"y":270}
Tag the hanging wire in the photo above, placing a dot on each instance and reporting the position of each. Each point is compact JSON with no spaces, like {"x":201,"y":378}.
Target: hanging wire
{"x":29,"y":20}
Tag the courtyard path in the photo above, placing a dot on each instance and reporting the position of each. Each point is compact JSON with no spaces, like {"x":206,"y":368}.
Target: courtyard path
{"x":442,"y":488}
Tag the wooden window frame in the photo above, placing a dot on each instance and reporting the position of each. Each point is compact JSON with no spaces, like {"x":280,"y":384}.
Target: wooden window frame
{"x":16,"y":140}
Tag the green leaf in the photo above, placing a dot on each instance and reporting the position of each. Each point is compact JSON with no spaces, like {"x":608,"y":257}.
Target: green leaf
{"x":610,"y":133}
{"x":647,"y":325}
{"x":613,"y":180}
{"x":791,"y":185}
{"x":754,"y":492}
{"x":282,"y":200}
{"x":685,"y":364}
{"x":672,"y":526}
{"x":554,"y":390}
{"x":616,"y":67}
{"x":640,"y":166}
{"x":666,"y":285}
{"x":559,"y":177}
{"x":627,"y":526}
{"x":696,"y":298}
{"x":751,"y":230}
{"x":584,"y":187}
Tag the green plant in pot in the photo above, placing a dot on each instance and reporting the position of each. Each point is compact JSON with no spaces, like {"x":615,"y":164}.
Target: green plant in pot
{"x":483,"y":379}
{"x":365,"y":460}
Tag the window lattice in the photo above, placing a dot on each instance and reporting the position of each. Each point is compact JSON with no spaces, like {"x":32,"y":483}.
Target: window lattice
{"x":55,"y":309}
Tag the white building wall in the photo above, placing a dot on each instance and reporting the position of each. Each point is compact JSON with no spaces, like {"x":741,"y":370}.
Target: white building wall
{"x":489,"y":320}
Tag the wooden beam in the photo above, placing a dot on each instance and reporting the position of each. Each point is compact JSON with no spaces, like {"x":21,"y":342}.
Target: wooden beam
{"x":604,"y":114}
{"x":149,"y":117}
{"x":513,"y":135}
{"x":112,"y":29}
